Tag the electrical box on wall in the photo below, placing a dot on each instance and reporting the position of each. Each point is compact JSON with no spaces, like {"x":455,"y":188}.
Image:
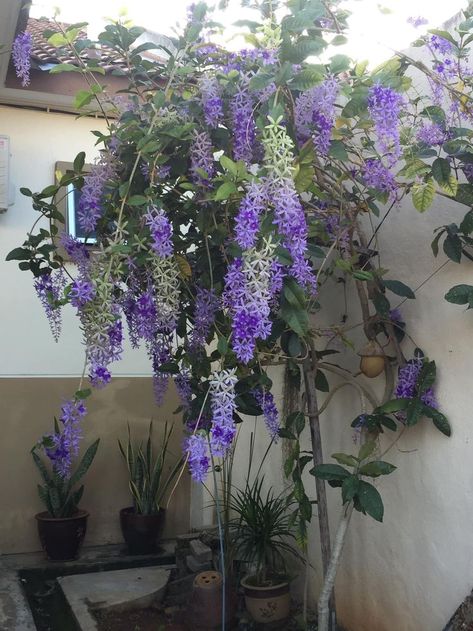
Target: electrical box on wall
{"x":4,"y":173}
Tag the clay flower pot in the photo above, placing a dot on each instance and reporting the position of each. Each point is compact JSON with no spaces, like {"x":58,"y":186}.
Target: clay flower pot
{"x":141,"y":532}
{"x":269,"y":603}
{"x":205,"y":608}
{"x":62,"y":537}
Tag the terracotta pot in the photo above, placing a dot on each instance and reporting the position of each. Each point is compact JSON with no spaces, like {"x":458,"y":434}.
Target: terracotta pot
{"x":141,"y":532}
{"x":205,"y":608}
{"x":271,"y":603}
{"x":62,"y":537}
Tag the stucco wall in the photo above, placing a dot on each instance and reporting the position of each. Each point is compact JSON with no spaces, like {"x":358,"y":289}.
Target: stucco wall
{"x":36,"y":374}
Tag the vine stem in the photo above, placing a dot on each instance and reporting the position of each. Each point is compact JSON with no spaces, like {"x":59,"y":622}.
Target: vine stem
{"x":220,"y":537}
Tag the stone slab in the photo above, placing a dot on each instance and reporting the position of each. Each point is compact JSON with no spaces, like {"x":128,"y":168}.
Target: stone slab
{"x":117,"y":590}
{"x":200,"y":551}
{"x":196,"y":566}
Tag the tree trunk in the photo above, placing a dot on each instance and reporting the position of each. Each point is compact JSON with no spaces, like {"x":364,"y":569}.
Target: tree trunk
{"x":323,"y":609}
{"x":314,"y":422}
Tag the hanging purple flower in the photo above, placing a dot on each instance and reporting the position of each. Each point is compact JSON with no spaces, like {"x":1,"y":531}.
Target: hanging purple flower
{"x":315,"y":114}
{"x":144,"y":315}
{"x":376,"y":175}
{"x":66,"y":443}
{"x":182,"y":382}
{"x":196,"y":447}
{"x":222,"y":390}
{"x":406,"y":387}
{"x":91,"y":199}
{"x":159,"y":351}
{"x":49,"y":289}
{"x":206,"y":305}
{"x":75,"y":250}
{"x":248,"y":218}
{"x":161,"y":231}
{"x":290,"y":219}
{"x":417,"y":21}
{"x":82,"y":291}
{"x":212,"y":102}
{"x":21,"y":54}
{"x":243,"y":125}
{"x":99,"y":376}
{"x":265,"y":400}
{"x":440,"y":45}
{"x":202,"y":167}
{"x":431,"y":134}
{"x":384,"y":106}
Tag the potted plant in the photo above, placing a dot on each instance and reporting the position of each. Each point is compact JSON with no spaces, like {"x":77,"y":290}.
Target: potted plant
{"x":149,"y":481}
{"x":262,"y":529}
{"x":63,"y":525}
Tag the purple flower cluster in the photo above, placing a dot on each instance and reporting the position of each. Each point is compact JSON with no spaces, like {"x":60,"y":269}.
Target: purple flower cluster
{"x":417,"y":21}
{"x":222,"y":391}
{"x":91,"y":200}
{"x":248,"y":218}
{"x":406,"y":387}
{"x":182,"y":382}
{"x":290,"y":219}
{"x":431,"y":134}
{"x":161,"y":231}
{"x":81,"y":292}
{"x":75,"y":250}
{"x":206,"y":305}
{"x":66,"y":443}
{"x":21,"y":54}
{"x":212,"y":102}
{"x":196,"y":447}
{"x":49,"y":289}
{"x":202,"y":167}
{"x":265,"y":400}
{"x":315,"y":114}
{"x":384,"y":106}
{"x":144,"y":316}
{"x":159,"y":350}
{"x":243,"y":125}
{"x":247,"y":296}
{"x":376,"y":175}
{"x":440,"y":45}
{"x":99,"y":376}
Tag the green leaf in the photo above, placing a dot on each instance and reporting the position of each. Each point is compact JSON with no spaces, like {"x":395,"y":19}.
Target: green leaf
{"x":423,"y":195}
{"x":82,"y":394}
{"x":64,"y":68}
{"x":229,"y":165}
{"x":440,"y":420}
{"x":452,"y":246}
{"x":57,"y":40}
{"x":321,"y":382}
{"x":222,"y":345}
{"x":441,"y":170}
{"x":330,"y":472}
{"x":306,"y":79}
{"x":466,"y":225}
{"x":224,"y":191}
{"x":19,"y":254}
{"x":414,"y":412}
{"x":395,"y":405}
{"x":85,"y":463}
{"x":337,"y":150}
{"x":375,"y":468}
{"x":460,"y":295}
{"x":464,"y":194}
{"x":366,"y":449}
{"x":79,"y":162}
{"x":339,"y":63}
{"x":350,"y":461}
{"x":350,"y":488}
{"x":450,"y":187}
{"x":370,"y":501}
{"x":398,"y":288}
{"x":137,"y":200}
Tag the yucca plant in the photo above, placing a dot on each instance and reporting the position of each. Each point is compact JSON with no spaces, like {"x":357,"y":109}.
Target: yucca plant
{"x":262,"y":528}
{"x":59,"y":493}
{"x":150,"y":478}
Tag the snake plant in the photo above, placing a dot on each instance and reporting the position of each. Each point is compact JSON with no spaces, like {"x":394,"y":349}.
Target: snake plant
{"x":149,"y":475}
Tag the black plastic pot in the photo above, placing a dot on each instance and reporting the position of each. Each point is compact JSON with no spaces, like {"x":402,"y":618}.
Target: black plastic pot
{"x":62,"y":537}
{"x":141,"y":532}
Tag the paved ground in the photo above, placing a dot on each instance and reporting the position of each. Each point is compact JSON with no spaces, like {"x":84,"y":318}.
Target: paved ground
{"x":15,"y":614}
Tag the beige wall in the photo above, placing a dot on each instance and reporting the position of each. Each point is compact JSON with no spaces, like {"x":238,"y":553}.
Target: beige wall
{"x":36,"y":374}
{"x":28,"y":407}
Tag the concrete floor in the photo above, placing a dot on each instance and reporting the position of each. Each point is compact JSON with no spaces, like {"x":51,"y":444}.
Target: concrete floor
{"x":15,"y":614}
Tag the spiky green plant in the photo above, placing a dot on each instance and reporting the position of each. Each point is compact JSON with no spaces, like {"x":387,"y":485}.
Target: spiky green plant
{"x":150,"y":478}
{"x":262,"y":529}
{"x":59,"y":494}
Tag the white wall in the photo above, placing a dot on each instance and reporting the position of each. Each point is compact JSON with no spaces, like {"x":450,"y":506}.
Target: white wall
{"x":37,"y":141}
